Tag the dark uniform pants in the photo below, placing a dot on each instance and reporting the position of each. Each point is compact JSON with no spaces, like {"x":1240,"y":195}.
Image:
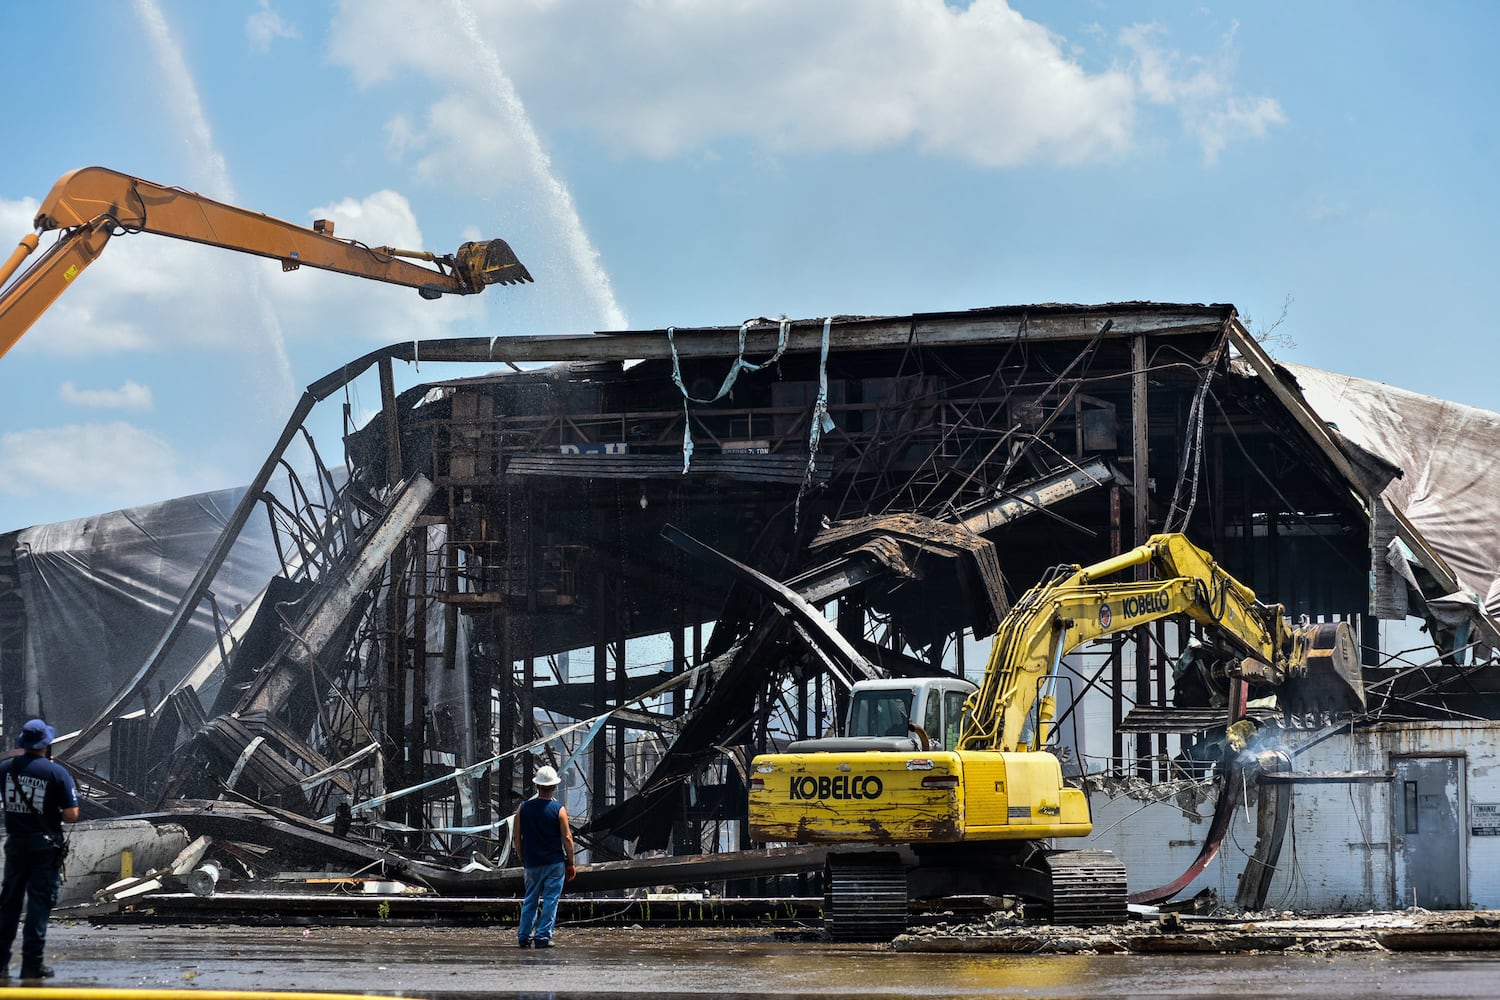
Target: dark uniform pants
{"x":33,"y":876}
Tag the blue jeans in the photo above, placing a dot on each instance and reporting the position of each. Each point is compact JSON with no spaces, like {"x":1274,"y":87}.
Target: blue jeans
{"x":544,"y":886}
{"x":33,"y":875}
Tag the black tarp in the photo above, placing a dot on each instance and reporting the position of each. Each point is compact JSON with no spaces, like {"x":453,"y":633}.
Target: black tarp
{"x":98,"y":591}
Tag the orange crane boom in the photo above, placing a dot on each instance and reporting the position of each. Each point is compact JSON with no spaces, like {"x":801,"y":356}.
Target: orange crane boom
{"x":91,"y":205}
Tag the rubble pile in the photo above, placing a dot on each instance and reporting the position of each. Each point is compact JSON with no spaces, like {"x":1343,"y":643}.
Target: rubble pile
{"x":1407,"y":930}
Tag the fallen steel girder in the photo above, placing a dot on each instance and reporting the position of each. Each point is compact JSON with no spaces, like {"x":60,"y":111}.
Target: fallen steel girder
{"x":829,"y":644}
{"x":1036,"y":496}
{"x":255,"y":494}
{"x":930,"y":550}
{"x":299,"y":841}
{"x":336,"y":599}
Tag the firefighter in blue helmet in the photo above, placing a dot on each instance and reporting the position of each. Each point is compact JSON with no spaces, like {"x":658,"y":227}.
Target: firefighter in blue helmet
{"x":544,"y":842}
{"x":39,"y":798}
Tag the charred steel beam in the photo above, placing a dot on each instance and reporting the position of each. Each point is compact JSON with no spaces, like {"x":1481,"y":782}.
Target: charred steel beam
{"x":1272,"y":812}
{"x":924,"y":543}
{"x":978,"y":326}
{"x":339,"y":598}
{"x":1036,"y":496}
{"x":827,"y":638}
{"x":787,"y":468}
{"x":882,"y":556}
{"x":877,"y":558}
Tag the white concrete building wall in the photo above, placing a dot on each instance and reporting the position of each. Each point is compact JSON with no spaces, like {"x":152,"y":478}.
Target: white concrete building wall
{"x":1341,"y":853}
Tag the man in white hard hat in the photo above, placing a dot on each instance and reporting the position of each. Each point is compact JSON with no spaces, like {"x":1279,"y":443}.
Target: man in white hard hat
{"x":544,"y":843}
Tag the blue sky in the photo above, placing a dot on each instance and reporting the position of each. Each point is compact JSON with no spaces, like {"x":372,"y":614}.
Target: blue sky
{"x":1327,"y":165}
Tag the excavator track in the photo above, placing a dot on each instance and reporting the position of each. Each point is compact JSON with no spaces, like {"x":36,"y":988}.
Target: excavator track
{"x":1088,"y":887}
{"x":864,"y":897}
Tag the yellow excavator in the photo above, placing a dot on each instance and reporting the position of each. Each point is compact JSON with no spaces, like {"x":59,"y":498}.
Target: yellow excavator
{"x":937,"y":788}
{"x":91,"y":205}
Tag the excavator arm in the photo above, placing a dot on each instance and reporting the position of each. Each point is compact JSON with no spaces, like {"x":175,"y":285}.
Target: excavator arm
{"x":1077,"y":605}
{"x":91,"y":205}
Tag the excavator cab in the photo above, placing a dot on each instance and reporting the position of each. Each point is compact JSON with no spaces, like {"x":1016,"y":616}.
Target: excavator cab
{"x":898,"y":714}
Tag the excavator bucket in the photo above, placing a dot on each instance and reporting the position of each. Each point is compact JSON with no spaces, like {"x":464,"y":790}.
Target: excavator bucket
{"x":1325,"y":678}
{"x":490,"y":262}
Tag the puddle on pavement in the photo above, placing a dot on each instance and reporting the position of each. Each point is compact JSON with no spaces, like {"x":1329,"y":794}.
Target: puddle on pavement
{"x":464,"y":963}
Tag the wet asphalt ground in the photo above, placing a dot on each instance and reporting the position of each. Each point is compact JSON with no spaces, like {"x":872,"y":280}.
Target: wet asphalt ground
{"x":463,"y":962}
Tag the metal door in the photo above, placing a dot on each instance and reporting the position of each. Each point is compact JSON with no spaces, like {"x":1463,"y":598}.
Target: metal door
{"x":1428,"y":800}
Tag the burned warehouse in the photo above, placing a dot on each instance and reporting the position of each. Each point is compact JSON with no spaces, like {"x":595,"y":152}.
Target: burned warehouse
{"x":670,"y":562}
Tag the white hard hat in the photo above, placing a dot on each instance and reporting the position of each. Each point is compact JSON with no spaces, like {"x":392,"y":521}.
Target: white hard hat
{"x":546,"y":776}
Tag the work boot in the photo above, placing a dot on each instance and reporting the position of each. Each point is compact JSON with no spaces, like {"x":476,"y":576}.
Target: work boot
{"x":524,"y":943}
{"x":543,"y":942}
{"x":40,"y":972}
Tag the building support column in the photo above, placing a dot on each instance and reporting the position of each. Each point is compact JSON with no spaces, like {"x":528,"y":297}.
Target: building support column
{"x":1140,"y":447}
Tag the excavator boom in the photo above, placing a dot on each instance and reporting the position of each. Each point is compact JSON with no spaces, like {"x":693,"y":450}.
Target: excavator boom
{"x":92,"y":204}
{"x":1312,"y":666}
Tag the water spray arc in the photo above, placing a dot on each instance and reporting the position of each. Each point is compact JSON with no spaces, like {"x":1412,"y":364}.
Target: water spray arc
{"x":188,"y":108}
{"x":558,"y":200}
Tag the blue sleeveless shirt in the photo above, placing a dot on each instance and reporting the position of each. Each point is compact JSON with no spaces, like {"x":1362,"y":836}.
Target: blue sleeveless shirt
{"x":541,"y":833}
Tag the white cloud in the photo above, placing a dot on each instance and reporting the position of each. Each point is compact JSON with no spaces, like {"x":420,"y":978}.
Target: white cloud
{"x":385,"y":218}
{"x":1324,"y":208}
{"x":461,"y":140}
{"x":1166,"y":76}
{"x":115,"y":462}
{"x":978,"y":83}
{"x":1200,"y":89}
{"x":400,"y":136}
{"x":264,"y":26}
{"x":131,"y":395}
{"x":477,"y":141}
{"x":16,"y":216}
{"x":1237,"y":118}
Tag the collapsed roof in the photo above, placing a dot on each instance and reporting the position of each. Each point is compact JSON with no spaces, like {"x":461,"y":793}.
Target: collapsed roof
{"x":470,"y":594}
